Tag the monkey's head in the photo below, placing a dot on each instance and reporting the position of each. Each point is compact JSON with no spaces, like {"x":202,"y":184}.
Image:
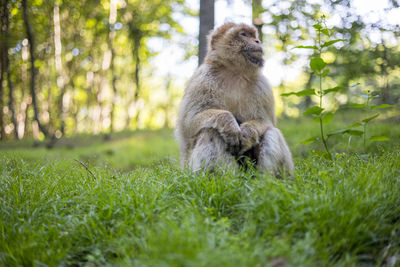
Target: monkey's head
{"x":236,"y":44}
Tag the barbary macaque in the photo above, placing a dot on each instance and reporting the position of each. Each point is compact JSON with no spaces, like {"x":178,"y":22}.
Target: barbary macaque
{"x":228,"y":109}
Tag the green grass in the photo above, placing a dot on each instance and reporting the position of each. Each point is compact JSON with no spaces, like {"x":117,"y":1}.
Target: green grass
{"x":136,"y":207}
{"x":123,"y":151}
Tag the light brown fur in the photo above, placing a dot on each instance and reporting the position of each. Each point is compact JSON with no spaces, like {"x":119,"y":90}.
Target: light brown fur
{"x":228,"y":107}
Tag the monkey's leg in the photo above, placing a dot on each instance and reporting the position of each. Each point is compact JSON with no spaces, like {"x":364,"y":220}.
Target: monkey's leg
{"x":274,"y":155}
{"x":210,"y":152}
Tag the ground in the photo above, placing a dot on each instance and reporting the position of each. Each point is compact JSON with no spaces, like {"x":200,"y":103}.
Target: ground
{"x":124,"y":201}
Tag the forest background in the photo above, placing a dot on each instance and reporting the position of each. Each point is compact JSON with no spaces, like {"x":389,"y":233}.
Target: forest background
{"x":94,"y":67}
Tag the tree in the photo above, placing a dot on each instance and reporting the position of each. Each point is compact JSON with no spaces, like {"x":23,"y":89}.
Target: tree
{"x":59,"y":70}
{"x":3,"y":55}
{"x":6,"y":66}
{"x":111,"y":36}
{"x":68,"y":73}
{"x":206,"y":17}
{"x":31,"y":40}
{"x":143,"y":19}
{"x":257,"y":10}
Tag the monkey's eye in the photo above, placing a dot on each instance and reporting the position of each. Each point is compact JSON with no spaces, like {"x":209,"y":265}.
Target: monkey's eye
{"x":243,"y":34}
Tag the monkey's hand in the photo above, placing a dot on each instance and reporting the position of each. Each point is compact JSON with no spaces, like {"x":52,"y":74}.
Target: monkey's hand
{"x":249,"y":139}
{"x":252,"y":131}
{"x":230,"y":131}
{"x":223,"y":122}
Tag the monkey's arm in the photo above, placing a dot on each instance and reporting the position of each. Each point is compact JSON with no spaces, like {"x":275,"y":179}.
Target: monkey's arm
{"x":252,"y":132}
{"x":221,"y":120}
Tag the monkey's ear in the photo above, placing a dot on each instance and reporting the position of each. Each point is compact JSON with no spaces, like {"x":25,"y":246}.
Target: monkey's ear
{"x":217,"y":34}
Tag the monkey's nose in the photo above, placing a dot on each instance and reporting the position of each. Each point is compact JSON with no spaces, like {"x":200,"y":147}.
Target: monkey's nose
{"x":257,"y":41}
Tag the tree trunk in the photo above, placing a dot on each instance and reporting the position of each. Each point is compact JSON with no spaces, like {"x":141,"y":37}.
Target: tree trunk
{"x":257,"y":11}
{"x":3,"y":52}
{"x":137,"y":77}
{"x":206,"y":25}
{"x":385,"y":92}
{"x":31,"y":41}
{"x":59,"y":71}
{"x":2,"y":131}
{"x":114,"y":88}
{"x":74,"y":107}
{"x":7,"y":68}
{"x":111,"y":36}
{"x":25,"y":99}
{"x":11,"y":96}
{"x":90,"y":92}
{"x":98,"y":83}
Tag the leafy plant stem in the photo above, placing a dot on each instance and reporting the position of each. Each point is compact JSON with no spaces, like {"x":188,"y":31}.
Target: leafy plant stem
{"x":318,"y":66}
{"x":320,"y":119}
{"x":321,"y":93}
{"x":365,"y":133}
{"x":365,"y":124}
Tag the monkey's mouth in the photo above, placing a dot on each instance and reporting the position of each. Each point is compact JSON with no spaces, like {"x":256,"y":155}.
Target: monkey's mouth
{"x":254,"y":56}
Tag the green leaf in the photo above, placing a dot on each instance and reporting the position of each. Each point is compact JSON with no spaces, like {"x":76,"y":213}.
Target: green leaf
{"x":354,"y":132}
{"x":326,"y":44}
{"x":313,"y":110}
{"x":321,"y":154}
{"x":309,"y":140}
{"x":325,"y":31}
{"x":354,"y":125}
{"x":38,"y":63}
{"x":90,"y":23}
{"x":14,"y":12}
{"x":346,"y":131}
{"x":325,"y":72}
{"x":317,"y":26}
{"x":342,"y":131}
{"x":357,"y":105}
{"x":301,"y":93}
{"x":317,"y":64}
{"x":334,"y":89}
{"x":306,"y":92}
{"x":328,"y":117}
{"x":366,"y":120}
{"x":307,"y":47}
{"x":378,"y":138}
{"x":382,"y":106}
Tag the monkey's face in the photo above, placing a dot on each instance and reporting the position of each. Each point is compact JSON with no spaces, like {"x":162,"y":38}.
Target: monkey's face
{"x":236,"y":44}
{"x":251,"y":48}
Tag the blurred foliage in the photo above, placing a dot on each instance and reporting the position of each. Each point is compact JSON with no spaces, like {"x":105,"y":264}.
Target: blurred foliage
{"x":111,"y":83}
{"x":87,"y":60}
{"x":371,"y":55}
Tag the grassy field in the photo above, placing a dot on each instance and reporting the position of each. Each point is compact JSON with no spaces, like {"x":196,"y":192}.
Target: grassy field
{"x":125,"y":202}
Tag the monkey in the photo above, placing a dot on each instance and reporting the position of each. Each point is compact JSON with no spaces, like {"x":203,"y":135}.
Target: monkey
{"x":228,"y":111}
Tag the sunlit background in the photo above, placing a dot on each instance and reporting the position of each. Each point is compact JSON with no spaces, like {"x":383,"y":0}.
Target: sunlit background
{"x":111,"y":65}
